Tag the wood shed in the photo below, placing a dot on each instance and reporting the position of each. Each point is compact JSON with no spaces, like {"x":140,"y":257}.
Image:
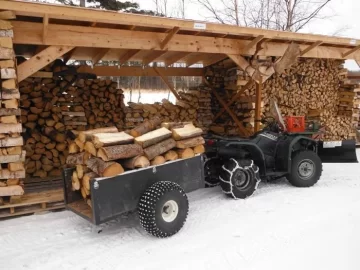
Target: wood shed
{"x":44,"y":96}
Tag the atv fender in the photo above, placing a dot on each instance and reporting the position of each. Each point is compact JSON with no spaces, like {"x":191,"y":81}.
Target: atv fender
{"x":232,"y":149}
{"x":297,"y":143}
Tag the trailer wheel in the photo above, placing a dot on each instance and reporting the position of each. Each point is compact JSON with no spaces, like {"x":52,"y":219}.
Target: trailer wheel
{"x":163,"y":209}
{"x":306,"y":169}
{"x":239,"y":178}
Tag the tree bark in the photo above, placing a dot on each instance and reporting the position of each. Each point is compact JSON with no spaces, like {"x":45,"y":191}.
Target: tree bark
{"x":145,"y":127}
{"x":77,"y":159}
{"x":119,"y":152}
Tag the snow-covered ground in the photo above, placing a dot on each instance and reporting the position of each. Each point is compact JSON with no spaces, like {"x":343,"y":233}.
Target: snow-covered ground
{"x":280,"y":227}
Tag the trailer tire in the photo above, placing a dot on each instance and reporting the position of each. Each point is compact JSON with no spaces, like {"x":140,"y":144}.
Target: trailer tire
{"x":163,"y":209}
{"x":239,"y":178}
{"x":306,"y":169}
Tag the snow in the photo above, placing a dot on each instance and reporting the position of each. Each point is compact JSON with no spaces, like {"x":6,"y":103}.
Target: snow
{"x":279,"y":227}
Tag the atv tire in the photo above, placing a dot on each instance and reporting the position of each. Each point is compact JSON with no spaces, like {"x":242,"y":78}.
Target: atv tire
{"x":239,"y":178}
{"x":306,"y":169}
{"x":163,"y":209}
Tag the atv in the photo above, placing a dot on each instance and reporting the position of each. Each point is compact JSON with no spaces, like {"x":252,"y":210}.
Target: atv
{"x":239,"y":165}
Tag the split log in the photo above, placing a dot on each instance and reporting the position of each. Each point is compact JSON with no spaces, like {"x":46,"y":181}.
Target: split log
{"x":73,"y":148}
{"x":192,"y":142}
{"x":136,"y":162}
{"x":119,"y":152}
{"x":9,"y":141}
{"x":160,"y":148}
{"x":87,"y":178}
{"x":13,"y":182}
{"x":10,"y":128}
{"x":199,"y":149}
{"x":13,"y":158}
{"x":172,"y":125}
{"x":158,"y":161}
{"x":86,"y":135}
{"x":171,"y":155}
{"x":75,"y":182}
{"x":90,"y":148}
{"x":109,"y":139}
{"x":186,"y":132}
{"x":153,"y":137}
{"x":145,"y":127}
{"x":185,"y":153}
{"x":11,"y":103}
{"x":80,"y":171}
{"x":11,"y":119}
{"x":14,"y":150}
{"x":77,"y":159}
{"x":83,"y":192}
{"x":80,"y":144}
{"x":16,"y":166}
{"x":105,"y":169}
{"x":11,"y":191}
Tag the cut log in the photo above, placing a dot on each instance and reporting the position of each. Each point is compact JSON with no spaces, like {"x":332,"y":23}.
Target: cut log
{"x":9,"y":84}
{"x":16,"y":166}
{"x":145,"y":127}
{"x":11,"y":119}
{"x":153,"y":137}
{"x":73,"y":148}
{"x":10,"y":128}
{"x":75,"y":182}
{"x":4,"y":112}
{"x":8,"y":73}
{"x":159,"y":148}
{"x":186,"y":132}
{"x":13,"y":182}
{"x":105,"y":169}
{"x":11,"y":191}
{"x":8,"y":141}
{"x":185,"y":153}
{"x":7,"y":63}
{"x":14,"y":150}
{"x":86,"y":135}
{"x":83,"y":192}
{"x":87,"y":178}
{"x":90,"y":148}
{"x":77,"y":159}
{"x":11,"y":103}
{"x":192,"y":142}
{"x":158,"y":161}
{"x":80,"y":171}
{"x":3,"y":184}
{"x":136,"y":162}
{"x":108,"y":139}
{"x":171,"y":155}
{"x":13,"y":158}
{"x":199,"y":149}
{"x":119,"y":152}
{"x":172,"y":125}
{"x":80,"y":144}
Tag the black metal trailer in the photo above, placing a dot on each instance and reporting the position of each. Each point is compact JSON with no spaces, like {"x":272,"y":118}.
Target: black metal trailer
{"x":158,"y":192}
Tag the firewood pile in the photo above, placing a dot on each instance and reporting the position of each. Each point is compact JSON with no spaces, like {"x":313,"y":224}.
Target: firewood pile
{"x":51,"y":107}
{"x":106,"y":152}
{"x":12,"y":156}
{"x":315,"y":88}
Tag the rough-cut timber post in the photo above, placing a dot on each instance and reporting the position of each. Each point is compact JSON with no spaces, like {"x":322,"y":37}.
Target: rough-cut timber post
{"x":258,"y":106}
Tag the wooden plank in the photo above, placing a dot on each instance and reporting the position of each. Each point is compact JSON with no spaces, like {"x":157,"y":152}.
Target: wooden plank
{"x":6,"y":42}
{"x":8,"y":73}
{"x":166,"y":81}
{"x":214,"y":59}
{"x":253,"y":43}
{"x":7,"y":15}
{"x":142,"y":72}
{"x":6,"y":174}
{"x":40,"y":60}
{"x":9,"y":84}
{"x":347,"y":53}
{"x":311,"y":47}
{"x":258,"y":106}
{"x":100,"y":16}
{"x":10,"y":128}
{"x":74,"y":123}
{"x":169,"y":36}
{"x":194,"y":60}
{"x":30,"y":33}
{"x":13,"y":158}
{"x":11,"y":190}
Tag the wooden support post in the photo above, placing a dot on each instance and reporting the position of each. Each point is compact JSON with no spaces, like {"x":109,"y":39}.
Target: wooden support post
{"x":234,"y":98}
{"x":168,"y":38}
{"x":172,"y":89}
{"x":41,"y":60}
{"x":243,"y":131}
{"x":45,"y":26}
{"x":258,"y":106}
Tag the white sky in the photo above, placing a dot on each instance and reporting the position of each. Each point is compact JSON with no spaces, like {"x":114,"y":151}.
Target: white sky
{"x":343,"y":16}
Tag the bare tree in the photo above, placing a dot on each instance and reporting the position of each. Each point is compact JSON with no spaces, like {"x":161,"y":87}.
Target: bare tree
{"x":287,"y":15}
{"x":161,"y":7}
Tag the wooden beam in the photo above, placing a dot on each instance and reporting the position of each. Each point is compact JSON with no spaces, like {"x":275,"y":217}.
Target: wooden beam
{"x":152,"y":56}
{"x":68,"y":56}
{"x":103,"y":71}
{"x":109,"y":17}
{"x":30,"y":34}
{"x":311,"y":47}
{"x":166,"y":81}
{"x":41,"y":60}
{"x":99,"y":55}
{"x":253,"y":43}
{"x":258,"y":105}
{"x":214,"y":59}
{"x":234,"y":98}
{"x":242,"y":129}
{"x":175,"y":58}
{"x":194,"y":60}
{"x":350,"y":51}
{"x":45,"y":27}
{"x":169,"y":36}
{"x":7,"y":15}
{"x":245,"y":66}
{"x":127,"y":56}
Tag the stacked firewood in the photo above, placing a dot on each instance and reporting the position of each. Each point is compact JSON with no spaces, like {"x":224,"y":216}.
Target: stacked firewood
{"x":51,"y":107}
{"x":12,"y":156}
{"x":107,"y":152}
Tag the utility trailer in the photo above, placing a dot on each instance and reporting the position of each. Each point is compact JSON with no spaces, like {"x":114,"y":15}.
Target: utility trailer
{"x":158,"y":192}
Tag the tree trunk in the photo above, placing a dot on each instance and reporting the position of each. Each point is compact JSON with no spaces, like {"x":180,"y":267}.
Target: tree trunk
{"x":159,"y":149}
{"x":119,"y":152}
{"x":153,"y":137}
